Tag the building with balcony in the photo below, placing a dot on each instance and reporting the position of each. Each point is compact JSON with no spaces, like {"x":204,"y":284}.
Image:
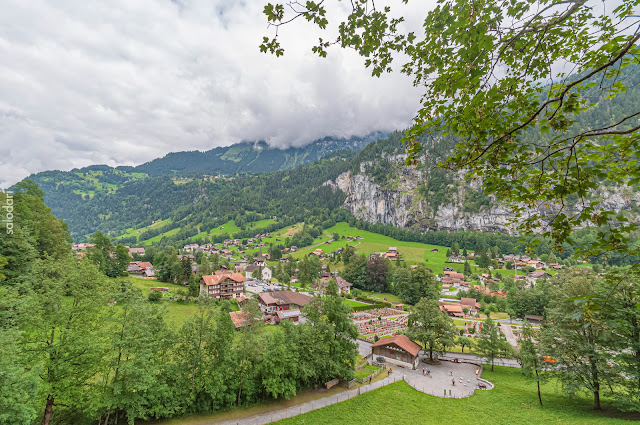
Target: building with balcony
{"x":222,"y":285}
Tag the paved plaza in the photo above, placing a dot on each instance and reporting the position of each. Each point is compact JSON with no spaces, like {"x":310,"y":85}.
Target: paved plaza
{"x":439,"y":382}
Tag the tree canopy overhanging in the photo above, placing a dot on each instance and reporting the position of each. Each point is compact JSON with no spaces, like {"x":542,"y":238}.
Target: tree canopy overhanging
{"x":507,"y":81}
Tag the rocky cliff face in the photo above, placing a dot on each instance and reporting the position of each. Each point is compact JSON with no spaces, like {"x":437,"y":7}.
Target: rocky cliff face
{"x":401,"y":203}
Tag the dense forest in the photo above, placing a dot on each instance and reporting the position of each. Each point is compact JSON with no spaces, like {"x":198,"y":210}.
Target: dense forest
{"x":79,"y":348}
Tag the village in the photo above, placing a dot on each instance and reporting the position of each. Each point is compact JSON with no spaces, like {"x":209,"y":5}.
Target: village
{"x":247,"y":273}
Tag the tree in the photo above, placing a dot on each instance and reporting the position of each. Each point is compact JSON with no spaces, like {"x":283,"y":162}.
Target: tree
{"x":491,"y":342}
{"x":467,"y":268}
{"x":464,"y":341}
{"x":63,"y":321}
{"x":134,"y":372}
{"x":330,"y":318}
{"x":431,"y":326}
{"x":412,"y":285}
{"x":355,"y":271}
{"x":620,"y":297}
{"x":574,"y":333}
{"x":529,"y":355}
{"x":483,"y":261}
{"x":455,"y":248}
{"x":194,"y":286}
{"x":18,"y":385}
{"x":477,"y":60}
{"x":377,"y":274}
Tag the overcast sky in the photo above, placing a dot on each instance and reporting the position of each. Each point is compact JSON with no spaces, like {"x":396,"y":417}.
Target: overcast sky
{"x":123,"y":82}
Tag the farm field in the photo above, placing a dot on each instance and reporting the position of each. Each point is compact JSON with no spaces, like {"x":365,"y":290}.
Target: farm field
{"x":135,"y":232}
{"x":157,"y":238}
{"x":176,"y":313}
{"x":412,"y":252}
{"x":513,"y":401}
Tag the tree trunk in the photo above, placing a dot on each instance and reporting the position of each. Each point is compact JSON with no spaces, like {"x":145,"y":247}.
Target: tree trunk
{"x":48,"y":410}
{"x":596,"y":400}
{"x":430,"y":353}
{"x":538,"y":382}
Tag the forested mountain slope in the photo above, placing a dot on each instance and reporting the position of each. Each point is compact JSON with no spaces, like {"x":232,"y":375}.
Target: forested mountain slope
{"x":372,"y":184}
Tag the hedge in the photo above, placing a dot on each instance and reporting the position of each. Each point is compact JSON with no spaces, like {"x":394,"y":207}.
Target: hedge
{"x":368,"y":307}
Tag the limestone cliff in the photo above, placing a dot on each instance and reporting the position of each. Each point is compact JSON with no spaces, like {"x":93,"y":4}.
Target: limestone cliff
{"x":406,"y":200}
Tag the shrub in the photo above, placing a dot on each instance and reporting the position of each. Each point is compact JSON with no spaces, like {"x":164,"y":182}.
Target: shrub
{"x":154,"y":296}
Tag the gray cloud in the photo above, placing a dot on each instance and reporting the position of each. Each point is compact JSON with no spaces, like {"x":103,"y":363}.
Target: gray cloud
{"x":124,"y":82}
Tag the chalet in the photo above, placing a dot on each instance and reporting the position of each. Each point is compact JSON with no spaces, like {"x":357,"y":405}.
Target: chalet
{"x":535,"y":264}
{"x":434,"y":250}
{"x":452,"y":309}
{"x":282,"y":300}
{"x":456,"y":260}
{"x":450,"y":280}
{"x":344,"y":287}
{"x":222,"y":285}
{"x":266,"y":272}
{"x":392,"y":253}
{"x":139,"y":251}
{"x":555,"y":266}
{"x":470,"y":304}
{"x":144,"y":268}
{"x":454,"y":275}
{"x":539,"y":274}
{"x":447,"y":269}
{"x":398,"y":349}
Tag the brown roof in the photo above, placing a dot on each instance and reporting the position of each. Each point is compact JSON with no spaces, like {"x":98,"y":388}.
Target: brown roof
{"x":342,"y":283}
{"x":401,"y":341}
{"x":469,"y":301}
{"x":238,"y":318}
{"x":220,"y":275}
{"x":285,"y":297}
{"x":455,"y":275}
{"x":451,"y":308}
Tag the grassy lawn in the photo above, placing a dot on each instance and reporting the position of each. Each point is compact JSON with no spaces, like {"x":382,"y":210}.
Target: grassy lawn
{"x":382,"y":295}
{"x":353,"y":303}
{"x":513,"y":401}
{"x":412,"y":252}
{"x":176,"y":313}
{"x":366,"y":371}
{"x":134,"y":232}
{"x":160,"y":236}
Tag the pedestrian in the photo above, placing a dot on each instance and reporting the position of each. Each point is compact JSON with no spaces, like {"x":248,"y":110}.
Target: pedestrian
{"x":370,"y":377}
{"x":428,"y":373}
{"x":477,"y":372}
{"x":422,"y":372}
{"x":450,"y":373}
{"x":453,"y":381}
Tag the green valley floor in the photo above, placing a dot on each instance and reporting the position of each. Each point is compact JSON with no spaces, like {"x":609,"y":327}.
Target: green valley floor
{"x":513,"y":401}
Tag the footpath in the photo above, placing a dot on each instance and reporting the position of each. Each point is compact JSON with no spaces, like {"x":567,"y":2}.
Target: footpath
{"x":290,"y":412}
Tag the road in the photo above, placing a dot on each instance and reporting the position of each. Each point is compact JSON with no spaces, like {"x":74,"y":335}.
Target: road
{"x":365,"y":348}
{"x":508,"y":333}
{"x":498,"y":361}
